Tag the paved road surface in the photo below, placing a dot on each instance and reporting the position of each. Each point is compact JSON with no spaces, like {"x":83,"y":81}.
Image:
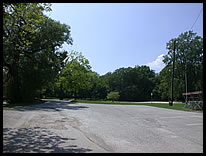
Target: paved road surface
{"x":62,"y":127}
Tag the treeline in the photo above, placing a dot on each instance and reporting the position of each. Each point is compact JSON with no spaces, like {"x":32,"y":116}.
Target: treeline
{"x":35,"y":66}
{"x":78,"y":81}
{"x":133,"y":84}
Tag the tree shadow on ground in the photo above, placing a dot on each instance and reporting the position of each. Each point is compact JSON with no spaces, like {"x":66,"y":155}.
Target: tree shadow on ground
{"x":52,"y":105}
{"x":35,"y":140}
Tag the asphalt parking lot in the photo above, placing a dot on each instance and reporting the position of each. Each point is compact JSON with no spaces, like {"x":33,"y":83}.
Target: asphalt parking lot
{"x":65,"y":127}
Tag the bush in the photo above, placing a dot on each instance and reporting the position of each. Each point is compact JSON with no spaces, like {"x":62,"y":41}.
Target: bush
{"x":113,"y":96}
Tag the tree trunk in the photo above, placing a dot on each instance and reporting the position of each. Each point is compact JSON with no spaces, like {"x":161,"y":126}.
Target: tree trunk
{"x":61,"y":92}
{"x":15,"y":93}
{"x":75,"y":95}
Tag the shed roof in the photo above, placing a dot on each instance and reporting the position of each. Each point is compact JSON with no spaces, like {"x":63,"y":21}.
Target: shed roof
{"x":192,"y":93}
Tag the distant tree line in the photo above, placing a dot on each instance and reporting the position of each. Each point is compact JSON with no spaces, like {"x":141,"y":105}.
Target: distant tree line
{"x":34,"y":66}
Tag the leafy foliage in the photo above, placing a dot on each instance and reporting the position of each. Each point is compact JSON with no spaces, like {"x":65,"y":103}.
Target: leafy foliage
{"x":75,"y":75}
{"x":188,"y":67}
{"x":31,"y":55}
{"x":133,"y":84}
{"x":113,"y":96}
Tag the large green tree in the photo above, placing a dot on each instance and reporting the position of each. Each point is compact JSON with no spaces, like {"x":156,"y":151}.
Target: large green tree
{"x":75,"y":75}
{"x":32,"y":54}
{"x":133,"y":84}
{"x":162,"y":89}
{"x":98,"y":89}
{"x":188,"y":75}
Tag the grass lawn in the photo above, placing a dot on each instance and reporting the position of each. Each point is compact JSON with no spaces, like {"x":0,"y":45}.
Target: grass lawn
{"x":176,"y":106}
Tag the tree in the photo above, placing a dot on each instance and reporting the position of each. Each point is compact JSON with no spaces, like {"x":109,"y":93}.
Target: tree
{"x":188,"y":63}
{"x":162,"y":87}
{"x":75,"y":74}
{"x":113,"y":96}
{"x":31,"y":43}
{"x":17,"y":23}
{"x":133,"y":84}
{"x":99,"y":87}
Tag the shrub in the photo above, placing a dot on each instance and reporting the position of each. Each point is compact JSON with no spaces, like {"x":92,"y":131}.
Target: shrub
{"x":113,"y":96}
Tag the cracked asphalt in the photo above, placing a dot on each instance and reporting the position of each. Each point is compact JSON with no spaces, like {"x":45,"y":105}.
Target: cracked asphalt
{"x":65,"y":127}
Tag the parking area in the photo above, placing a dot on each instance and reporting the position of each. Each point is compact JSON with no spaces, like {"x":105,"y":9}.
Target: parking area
{"x":107,"y":128}
{"x":126,"y":128}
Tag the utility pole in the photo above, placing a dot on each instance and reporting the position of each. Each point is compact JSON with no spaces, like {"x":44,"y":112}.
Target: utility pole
{"x":173,"y":69}
{"x":186,"y":82}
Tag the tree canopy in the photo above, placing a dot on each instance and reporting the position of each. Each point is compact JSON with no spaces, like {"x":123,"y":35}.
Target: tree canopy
{"x":133,"y":84}
{"x":188,"y":75}
{"x":31,"y":49}
{"x":75,"y":75}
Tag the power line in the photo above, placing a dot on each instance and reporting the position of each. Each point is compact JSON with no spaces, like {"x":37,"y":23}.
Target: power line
{"x":196,"y":19}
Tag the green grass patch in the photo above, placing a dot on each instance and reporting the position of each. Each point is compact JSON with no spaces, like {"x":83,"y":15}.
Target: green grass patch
{"x":68,"y":99}
{"x":176,"y":106}
{"x":104,"y":102}
{"x":56,"y":98}
{"x":51,"y":98}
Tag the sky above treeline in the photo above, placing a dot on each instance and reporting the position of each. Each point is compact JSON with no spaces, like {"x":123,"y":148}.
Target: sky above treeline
{"x":116,"y":35}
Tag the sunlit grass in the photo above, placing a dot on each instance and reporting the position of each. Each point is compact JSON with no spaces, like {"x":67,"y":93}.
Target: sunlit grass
{"x":175,"y":106}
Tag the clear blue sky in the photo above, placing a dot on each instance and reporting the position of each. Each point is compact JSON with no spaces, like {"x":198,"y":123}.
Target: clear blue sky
{"x":115,"y":35}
